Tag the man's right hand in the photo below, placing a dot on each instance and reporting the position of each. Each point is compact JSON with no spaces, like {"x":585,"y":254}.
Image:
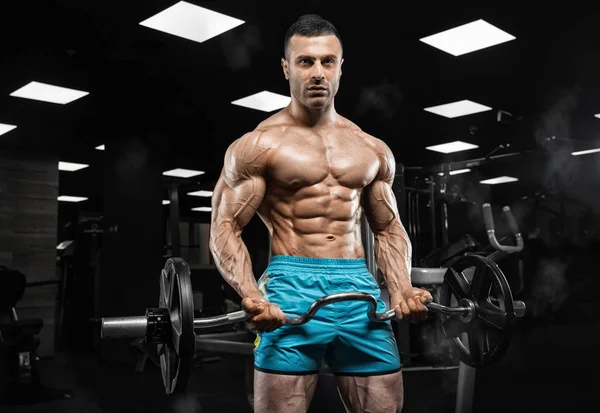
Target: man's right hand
{"x":266,"y":316}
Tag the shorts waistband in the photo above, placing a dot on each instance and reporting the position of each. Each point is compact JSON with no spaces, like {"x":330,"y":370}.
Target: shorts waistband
{"x":317,"y":265}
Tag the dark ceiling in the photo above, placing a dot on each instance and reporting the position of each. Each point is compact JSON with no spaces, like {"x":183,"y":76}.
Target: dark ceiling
{"x":547,"y":78}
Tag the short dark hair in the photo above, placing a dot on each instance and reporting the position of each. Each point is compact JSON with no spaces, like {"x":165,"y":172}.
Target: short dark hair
{"x":310,"y":25}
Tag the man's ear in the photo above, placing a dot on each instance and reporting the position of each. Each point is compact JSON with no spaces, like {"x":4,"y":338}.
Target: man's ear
{"x":286,"y":70}
{"x":341,"y":63}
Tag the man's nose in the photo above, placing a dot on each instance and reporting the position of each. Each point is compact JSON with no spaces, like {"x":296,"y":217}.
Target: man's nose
{"x":318,"y":72}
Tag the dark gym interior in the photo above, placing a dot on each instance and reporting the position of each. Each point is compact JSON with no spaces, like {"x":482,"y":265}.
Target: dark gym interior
{"x":156,"y":102}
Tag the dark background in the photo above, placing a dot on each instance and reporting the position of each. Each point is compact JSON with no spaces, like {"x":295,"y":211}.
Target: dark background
{"x":160,"y":102}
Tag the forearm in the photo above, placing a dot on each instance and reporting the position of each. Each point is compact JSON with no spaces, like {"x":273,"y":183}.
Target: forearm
{"x":233,"y":260}
{"x":393,"y":255}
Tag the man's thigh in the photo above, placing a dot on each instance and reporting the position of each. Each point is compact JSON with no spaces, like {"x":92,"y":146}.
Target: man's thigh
{"x":363,"y":347}
{"x":382,"y":393}
{"x":279,"y":393}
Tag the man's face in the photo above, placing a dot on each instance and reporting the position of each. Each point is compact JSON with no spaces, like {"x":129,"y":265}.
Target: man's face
{"x":313,"y":67}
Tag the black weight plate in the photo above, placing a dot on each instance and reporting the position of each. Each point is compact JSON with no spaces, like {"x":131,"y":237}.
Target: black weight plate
{"x":177,"y":353}
{"x":484,"y":338}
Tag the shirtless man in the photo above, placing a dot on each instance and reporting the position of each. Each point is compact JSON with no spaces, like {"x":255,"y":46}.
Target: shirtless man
{"x":309,"y":173}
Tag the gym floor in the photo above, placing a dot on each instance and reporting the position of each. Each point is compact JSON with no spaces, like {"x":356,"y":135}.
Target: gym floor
{"x":550,"y":367}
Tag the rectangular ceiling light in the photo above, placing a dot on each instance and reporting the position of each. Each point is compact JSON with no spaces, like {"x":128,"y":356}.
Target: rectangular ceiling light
{"x":202,"y":209}
{"x":48,"y":93}
{"x":265,"y":101}
{"x":458,"y":108}
{"x":451,"y":147}
{"x":499,"y":180}
{"x":70,"y":166}
{"x":597,"y":115}
{"x":585,"y":152}
{"x":468,"y":38}
{"x":166,"y":202}
{"x":191,"y":22}
{"x":456,"y":172}
{"x":183,"y":173}
{"x":100,"y":147}
{"x":5,"y":128}
{"x":68,"y":198}
{"x":201,"y":193}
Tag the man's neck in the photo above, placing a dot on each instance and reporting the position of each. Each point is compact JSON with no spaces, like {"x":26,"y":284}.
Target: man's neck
{"x":304,"y":116}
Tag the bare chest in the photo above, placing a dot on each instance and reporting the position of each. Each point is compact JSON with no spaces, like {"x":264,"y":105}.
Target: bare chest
{"x":308,"y":160}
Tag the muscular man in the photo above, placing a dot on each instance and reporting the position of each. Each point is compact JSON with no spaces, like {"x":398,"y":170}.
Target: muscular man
{"x":310,"y":173}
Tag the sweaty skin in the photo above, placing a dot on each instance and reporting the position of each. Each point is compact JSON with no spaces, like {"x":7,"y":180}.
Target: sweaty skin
{"x":309,"y":174}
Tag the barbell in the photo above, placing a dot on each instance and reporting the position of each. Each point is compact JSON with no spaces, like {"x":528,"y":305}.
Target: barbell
{"x":485,"y":310}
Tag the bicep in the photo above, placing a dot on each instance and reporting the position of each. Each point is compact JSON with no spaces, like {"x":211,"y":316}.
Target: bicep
{"x":241,"y":187}
{"x":236,"y":202}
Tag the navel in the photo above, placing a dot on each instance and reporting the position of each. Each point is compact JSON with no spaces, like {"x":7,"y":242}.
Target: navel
{"x":330,"y":238}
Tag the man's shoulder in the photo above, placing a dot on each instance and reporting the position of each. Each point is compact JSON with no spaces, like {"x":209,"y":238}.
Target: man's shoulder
{"x":275,"y":126}
{"x":266,"y":132}
{"x":346,"y":123}
{"x":250,"y":153}
{"x":383,"y":151}
{"x":378,"y":144}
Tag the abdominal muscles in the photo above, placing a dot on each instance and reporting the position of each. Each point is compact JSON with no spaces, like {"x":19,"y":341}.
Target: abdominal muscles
{"x":321,"y":221}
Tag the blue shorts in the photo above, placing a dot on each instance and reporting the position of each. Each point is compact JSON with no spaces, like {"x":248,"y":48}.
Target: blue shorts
{"x":340,"y":334}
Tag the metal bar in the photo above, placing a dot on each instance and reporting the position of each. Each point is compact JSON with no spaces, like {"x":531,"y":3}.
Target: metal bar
{"x":497,"y":256}
{"x":191,"y":240}
{"x":13,"y":314}
{"x":174,"y":220}
{"x":417,"y":191}
{"x":444,"y":219}
{"x":465,"y":389}
{"x":470,"y":163}
{"x":39,"y":283}
{"x":429,"y":368}
{"x":221,"y":320}
{"x":270,"y":247}
{"x":369,"y":247}
{"x":409,"y":217}
{"x":438,"y":308}
{"x":432,"y":214}
{"x":417,"y":222}
{"x":124,"y":327}
{"x":413,"y":219}
{"x":231,"y":336}
{"x":224,"y":346}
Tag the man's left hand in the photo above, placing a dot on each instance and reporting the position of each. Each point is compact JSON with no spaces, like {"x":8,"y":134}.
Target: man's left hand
{"x":410,"y":304}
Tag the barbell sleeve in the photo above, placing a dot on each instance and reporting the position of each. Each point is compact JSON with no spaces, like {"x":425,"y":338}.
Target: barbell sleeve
{"x":520,"y":308}
{"x":124,"y":327}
